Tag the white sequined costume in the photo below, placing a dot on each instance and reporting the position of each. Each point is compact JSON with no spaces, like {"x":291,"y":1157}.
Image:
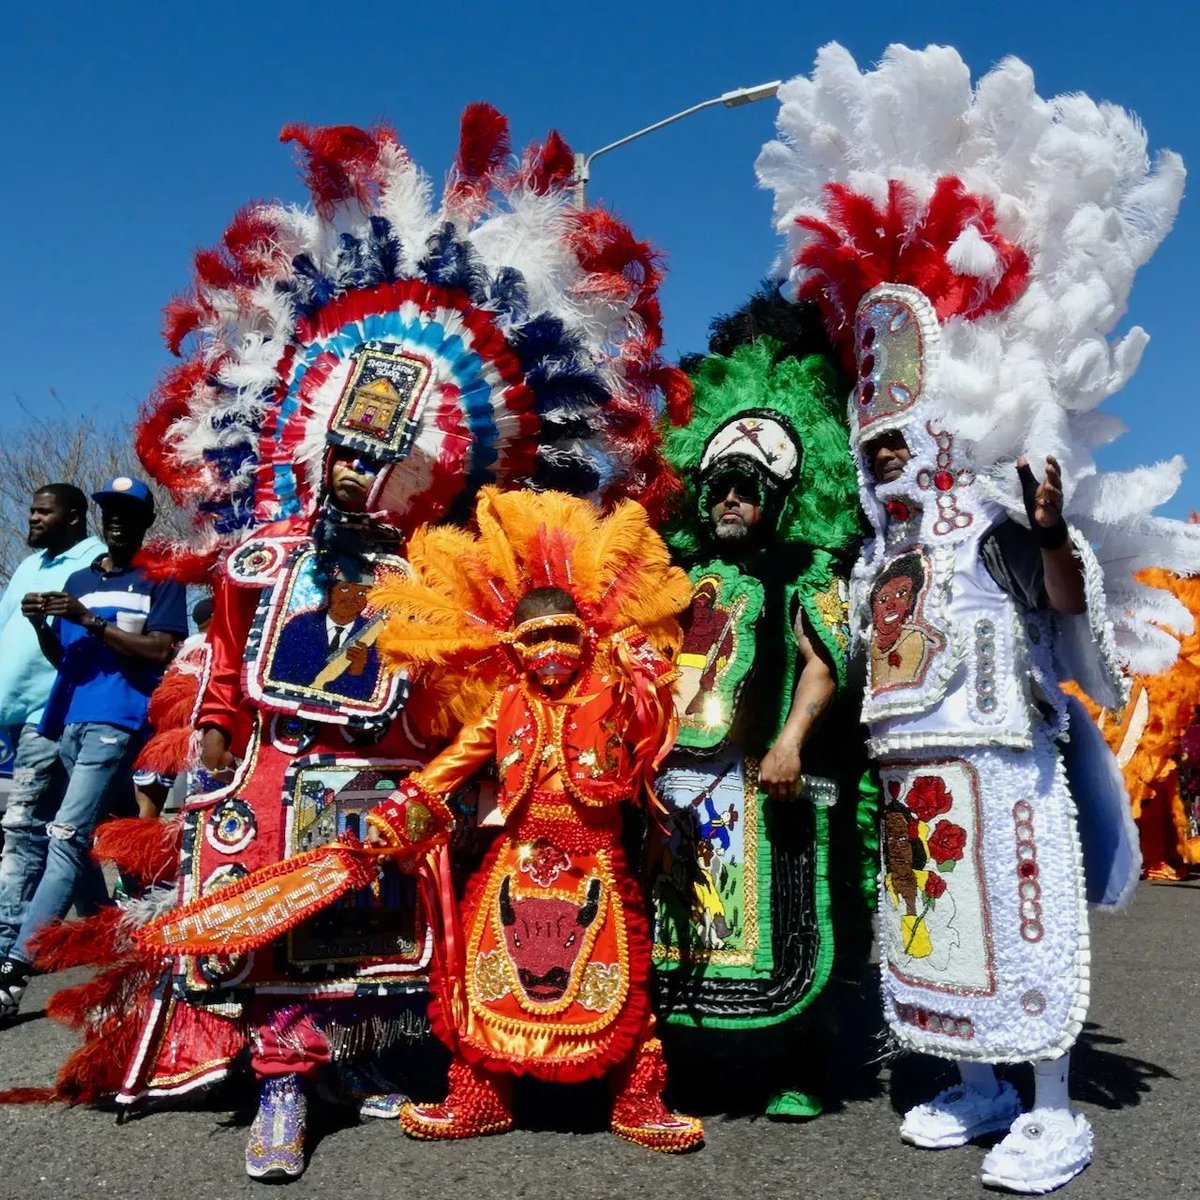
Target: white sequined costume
{"x":972,"y":266}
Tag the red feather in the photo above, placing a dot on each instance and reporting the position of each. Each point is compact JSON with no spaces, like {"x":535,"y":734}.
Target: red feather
{"x":171,"y":703}
{"x":252,"y":238}
{"x":621,"y":268}
{"x":167,"y":753}
{"x":181,"y":316}
{"x":339,"y":162}
{"x":214,"y":269}
{"x":859,"y":245}
{"x":87,"y":942}
{"x":163,"y":559}
{"x":171,"y":400}
{"x":677,"y":388}
{"x":28,"y":1095}
{"x":483,"y":150}
{"x":548,"y":166}
{"x":148,"y":849}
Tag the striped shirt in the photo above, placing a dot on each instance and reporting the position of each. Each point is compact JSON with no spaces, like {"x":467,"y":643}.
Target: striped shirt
{"x":96,"y":685}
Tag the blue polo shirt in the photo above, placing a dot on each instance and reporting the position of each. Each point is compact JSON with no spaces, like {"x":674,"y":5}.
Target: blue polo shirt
{"x":95,"y":685}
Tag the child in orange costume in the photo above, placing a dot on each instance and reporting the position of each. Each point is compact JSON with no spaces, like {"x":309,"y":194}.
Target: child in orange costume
{"x":552,"y":631}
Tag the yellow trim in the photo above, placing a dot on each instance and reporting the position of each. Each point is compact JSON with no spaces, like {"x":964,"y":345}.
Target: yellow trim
{"x":489,"y":1017}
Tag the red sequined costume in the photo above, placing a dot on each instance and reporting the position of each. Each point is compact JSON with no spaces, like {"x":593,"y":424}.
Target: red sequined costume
{"x":549,"y":976}
{"x":350,"y":372}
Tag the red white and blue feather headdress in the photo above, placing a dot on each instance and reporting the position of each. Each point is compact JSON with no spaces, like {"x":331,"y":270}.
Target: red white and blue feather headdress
{"x":499,"y":336}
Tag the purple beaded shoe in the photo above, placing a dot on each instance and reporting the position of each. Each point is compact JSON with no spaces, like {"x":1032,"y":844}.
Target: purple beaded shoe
{"x":276,"y":1146}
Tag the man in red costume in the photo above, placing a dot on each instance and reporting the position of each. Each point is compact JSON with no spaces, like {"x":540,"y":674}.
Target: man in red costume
{"x":553,"y":977}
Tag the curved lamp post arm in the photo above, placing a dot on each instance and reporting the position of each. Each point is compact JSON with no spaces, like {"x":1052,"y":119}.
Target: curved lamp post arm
{"x":734,"y":99}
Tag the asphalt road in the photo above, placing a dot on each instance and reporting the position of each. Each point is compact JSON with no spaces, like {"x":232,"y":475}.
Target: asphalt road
{"x":1135,"y":1074}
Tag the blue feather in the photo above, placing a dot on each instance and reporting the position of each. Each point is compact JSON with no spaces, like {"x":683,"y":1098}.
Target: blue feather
{"x":387,"y":249}
{"x":351,"y":271}
{"x":542,"y":337}
{"x":565,"y":471}
{"x":566,"y":387}
{"x":310,"y":288}
{"x":452,"y":263}
{"x":509,"y":295}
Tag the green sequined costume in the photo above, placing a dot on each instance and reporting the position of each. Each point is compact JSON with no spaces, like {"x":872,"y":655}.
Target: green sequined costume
{"x":744,"y":929}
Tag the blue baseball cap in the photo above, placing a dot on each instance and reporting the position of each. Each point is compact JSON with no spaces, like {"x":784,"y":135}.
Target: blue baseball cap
{"x":123,"y":487}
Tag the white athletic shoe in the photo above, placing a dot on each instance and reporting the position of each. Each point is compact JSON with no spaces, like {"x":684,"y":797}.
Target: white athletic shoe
{"x":957,"y":1115}
{"x":14,"y":979}
{"x":1044,"y":1149}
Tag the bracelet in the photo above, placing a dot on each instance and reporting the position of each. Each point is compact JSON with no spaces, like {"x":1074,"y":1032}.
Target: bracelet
{"x":96,"y":626}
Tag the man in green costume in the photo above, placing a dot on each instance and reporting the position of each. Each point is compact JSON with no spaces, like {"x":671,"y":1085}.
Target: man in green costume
{"x":768,"y":526}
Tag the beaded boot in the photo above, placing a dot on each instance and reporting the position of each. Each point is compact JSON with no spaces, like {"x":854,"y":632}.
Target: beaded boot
{"x":638,"y":1112}
{"x":478,"y":1103}
{"x":276,"y":1146}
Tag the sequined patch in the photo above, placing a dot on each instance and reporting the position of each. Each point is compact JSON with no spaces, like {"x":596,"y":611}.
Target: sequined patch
{"x":418,"y":820}
{"x":491,"y":976}
{"x":223,"y":876}
{"x":935,"y":1022}
{"x":257,"y":561}
{"x":231,"y":827}
{"x":226,"y":969}
{"x":985,"y":665}
{"x":601,"y":986}
{"x":890,"y":347}
{"x":943,"y":481}
{"x":380,"y":405}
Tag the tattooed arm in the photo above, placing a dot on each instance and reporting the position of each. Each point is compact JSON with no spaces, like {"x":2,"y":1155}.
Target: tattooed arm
{"x":779,"y":772}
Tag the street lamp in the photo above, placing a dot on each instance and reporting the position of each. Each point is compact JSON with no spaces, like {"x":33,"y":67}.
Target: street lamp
{"x":734,"y":99}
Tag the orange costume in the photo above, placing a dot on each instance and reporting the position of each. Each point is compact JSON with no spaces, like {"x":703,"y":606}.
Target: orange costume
{"x":549,"y":975}
{"x":1145,"y":737}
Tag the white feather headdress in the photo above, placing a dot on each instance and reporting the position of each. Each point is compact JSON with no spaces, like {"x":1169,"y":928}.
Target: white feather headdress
{"x":1023,"y":222}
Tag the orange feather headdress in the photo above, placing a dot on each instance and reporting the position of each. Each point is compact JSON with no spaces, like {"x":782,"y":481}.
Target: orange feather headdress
{"x":447,"y":621}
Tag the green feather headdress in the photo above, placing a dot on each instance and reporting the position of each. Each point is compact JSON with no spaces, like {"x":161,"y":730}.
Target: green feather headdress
{"x":820,"y":506}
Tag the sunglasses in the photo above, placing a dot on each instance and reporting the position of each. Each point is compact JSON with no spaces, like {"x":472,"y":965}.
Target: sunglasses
{"x":747,"y":488}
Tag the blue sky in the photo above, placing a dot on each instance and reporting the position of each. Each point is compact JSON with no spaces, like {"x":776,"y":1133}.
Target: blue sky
{"x":132,"y":131}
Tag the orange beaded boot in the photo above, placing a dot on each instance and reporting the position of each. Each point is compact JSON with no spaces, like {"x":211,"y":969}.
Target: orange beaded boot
{"x":478,"y":1103}
{"x":638,"y":1112}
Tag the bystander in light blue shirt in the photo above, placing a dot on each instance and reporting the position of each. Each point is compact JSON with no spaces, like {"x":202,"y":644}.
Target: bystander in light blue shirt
{"x":26,"y":676}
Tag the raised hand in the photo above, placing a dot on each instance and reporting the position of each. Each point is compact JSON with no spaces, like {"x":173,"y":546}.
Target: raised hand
{"x":1044,"y":502}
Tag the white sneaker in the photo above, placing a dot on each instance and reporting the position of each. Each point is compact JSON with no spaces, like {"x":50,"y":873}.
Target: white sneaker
{"x":957,"y":1115}
{"x":14,"y":979}
{"x":1044,"y":1149}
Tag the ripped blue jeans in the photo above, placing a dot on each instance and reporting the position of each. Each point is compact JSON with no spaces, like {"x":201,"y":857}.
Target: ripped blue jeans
{"x":98,"y":760}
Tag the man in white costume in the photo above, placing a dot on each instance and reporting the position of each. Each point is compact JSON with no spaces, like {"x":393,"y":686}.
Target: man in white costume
{"x":972,"y":249}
